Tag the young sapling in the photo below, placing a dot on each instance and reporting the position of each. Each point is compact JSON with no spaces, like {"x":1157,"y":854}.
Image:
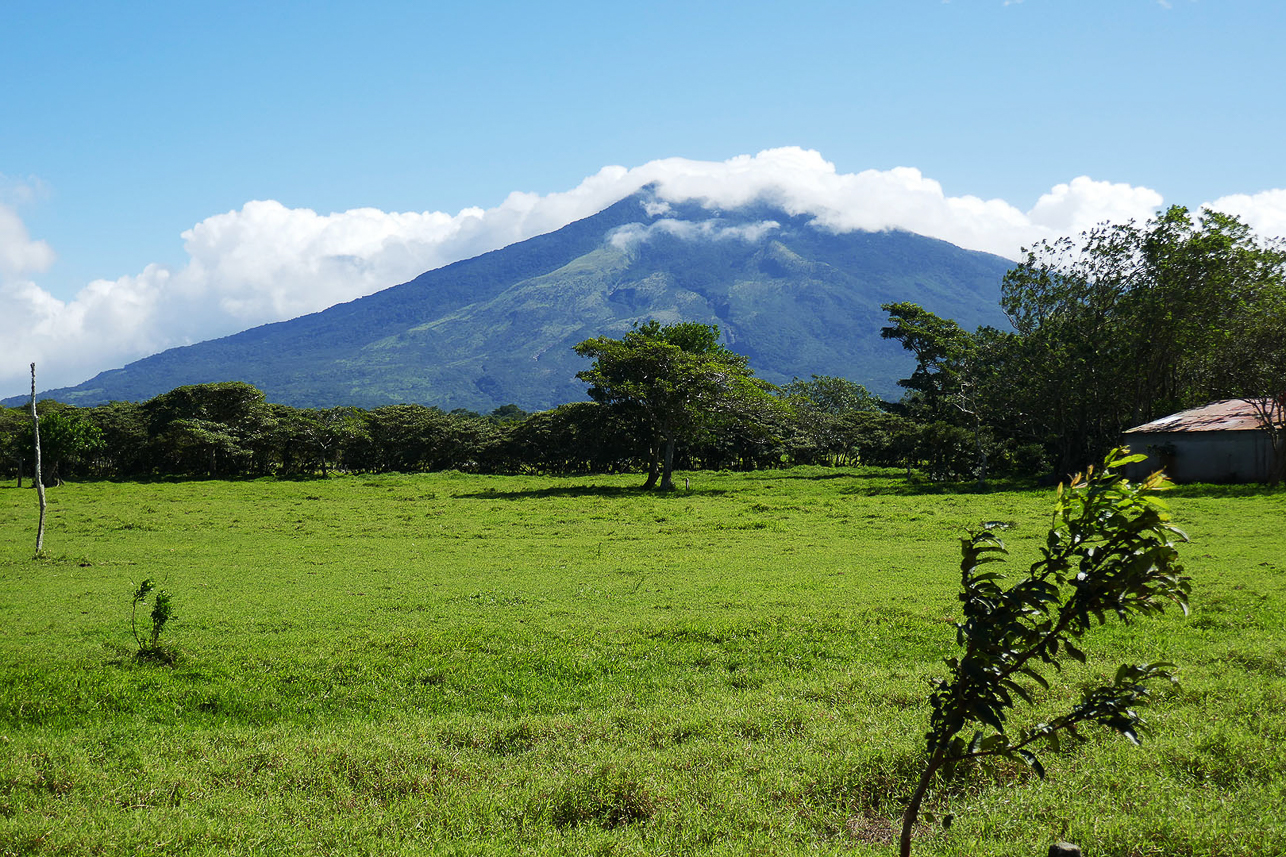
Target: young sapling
{"x":1110,"y":551}
{"x":149,"y":643}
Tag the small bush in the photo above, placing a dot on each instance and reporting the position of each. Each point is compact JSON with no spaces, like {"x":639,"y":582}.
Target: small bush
{"x":149,"y":643}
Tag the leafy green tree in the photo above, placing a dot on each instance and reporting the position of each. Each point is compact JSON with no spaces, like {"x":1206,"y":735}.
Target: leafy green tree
{"x":220,"y":429}
{"x":125,"y":450}
{"x":822,"y":409}
{"x":580,"y":437}
{"x":510,"y":413}
{"x":200,"y":447}
{"x":826,"y":394}
{"x":1131,"y":322}
{"x":411,"y":438}
{"x":233,"y":403}
{"x":67,"y":438}
{"x":951,"y":371}
{"x":942,"y":350}
{"x":319,"y":437}
{"x":1110,"y":552}
{"x":677,"y":381}
{"x":1252,"y":366}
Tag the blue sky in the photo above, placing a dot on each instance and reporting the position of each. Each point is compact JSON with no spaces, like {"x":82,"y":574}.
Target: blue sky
{"x":126,"y":125}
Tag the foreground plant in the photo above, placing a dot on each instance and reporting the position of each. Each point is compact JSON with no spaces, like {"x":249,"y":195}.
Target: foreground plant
{"x":1110,"y":551}
{"x":149,"y":645}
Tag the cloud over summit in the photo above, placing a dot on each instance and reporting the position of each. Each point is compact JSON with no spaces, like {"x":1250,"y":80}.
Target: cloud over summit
{"x":265,"y":262}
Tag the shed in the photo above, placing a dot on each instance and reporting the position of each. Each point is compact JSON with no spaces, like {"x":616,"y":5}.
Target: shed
{"x":1220,"y":442}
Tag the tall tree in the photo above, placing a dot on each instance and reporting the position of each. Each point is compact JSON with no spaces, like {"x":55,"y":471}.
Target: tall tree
{"x":949,"y":374}
{"x":677,"y":381}
{"x":1133,"y":322}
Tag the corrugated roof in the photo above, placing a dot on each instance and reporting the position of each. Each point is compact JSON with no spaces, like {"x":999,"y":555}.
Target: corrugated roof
{"x":1227,"y":415}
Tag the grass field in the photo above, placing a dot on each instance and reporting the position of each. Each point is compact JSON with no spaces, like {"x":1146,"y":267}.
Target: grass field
{"x":454,"y":664}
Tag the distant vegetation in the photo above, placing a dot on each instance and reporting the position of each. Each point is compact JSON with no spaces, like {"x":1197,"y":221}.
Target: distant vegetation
{"x":228,"y":430}
{"x":1131,"y":323}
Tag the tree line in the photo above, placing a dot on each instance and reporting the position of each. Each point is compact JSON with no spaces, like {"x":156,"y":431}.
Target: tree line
{"x":229,"y":430}
{"x":1126,"y":324}
{"x":1123,"y":326}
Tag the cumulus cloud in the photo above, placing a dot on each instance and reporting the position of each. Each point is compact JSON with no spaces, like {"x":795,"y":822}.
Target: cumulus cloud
{"x":265,"y":262}
{"x":1083,"y":203}
{"x":1264,"y":212}
{"x":19,"y":255}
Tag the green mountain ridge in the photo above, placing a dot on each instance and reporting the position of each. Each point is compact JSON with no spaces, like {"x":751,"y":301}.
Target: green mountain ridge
{"x":497,"y":329}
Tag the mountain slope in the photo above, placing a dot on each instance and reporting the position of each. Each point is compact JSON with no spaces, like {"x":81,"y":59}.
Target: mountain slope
{"x":797,"y":300}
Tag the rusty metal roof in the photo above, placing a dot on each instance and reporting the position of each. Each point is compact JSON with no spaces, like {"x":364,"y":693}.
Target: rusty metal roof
{"x":1227,"y":415}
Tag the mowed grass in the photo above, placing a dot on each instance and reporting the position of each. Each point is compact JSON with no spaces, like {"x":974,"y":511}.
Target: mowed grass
{"x":454,"y":664}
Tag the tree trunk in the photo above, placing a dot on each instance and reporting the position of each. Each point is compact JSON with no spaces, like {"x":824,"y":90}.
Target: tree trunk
{"x":21,"y":462}
{"x":982,"y":454}
{"x":1277,"y":467}
{"x":40,"y":488}
{"x":667,"y":473}
{"x":653,"y":464}
{"x":913,"y":808}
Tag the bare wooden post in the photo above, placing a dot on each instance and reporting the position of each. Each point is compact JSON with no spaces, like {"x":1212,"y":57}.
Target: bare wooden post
{"x":40,"y":486}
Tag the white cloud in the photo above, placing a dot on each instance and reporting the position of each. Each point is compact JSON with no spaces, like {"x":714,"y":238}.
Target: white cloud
{"x":20,"y":255}
{"x":1264,"y":212}
{"x":633,"y":234}
{"x":265,"y":262}
{"x":1083,"y":203}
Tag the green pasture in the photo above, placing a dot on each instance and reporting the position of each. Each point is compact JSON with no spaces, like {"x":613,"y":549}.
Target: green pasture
{"x":456,"y":664}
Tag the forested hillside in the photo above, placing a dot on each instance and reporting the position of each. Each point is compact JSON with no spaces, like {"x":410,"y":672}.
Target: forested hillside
{"x":795,"y":299}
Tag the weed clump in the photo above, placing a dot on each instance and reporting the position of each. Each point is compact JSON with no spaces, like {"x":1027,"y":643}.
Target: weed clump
{"x":149,"y":642}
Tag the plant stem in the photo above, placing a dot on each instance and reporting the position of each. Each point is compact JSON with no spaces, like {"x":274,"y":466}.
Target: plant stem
{"x":913,"y":808}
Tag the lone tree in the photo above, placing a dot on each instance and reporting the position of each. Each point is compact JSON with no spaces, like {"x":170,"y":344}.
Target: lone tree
{"x":677,"y":382}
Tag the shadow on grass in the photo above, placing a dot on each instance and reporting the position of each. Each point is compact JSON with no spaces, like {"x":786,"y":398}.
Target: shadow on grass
{"x":919,"y":487}
{"x":1208,"y":490}
{"x":892,"y":481}
{"x":591,"y":491}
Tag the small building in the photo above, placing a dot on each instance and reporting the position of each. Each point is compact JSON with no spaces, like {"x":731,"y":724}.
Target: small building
{"x":1220,"y":442}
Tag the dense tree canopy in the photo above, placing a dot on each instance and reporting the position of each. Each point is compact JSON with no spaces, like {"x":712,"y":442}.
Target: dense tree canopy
{"x":678,"y":383}
{"x":1134,"y":322}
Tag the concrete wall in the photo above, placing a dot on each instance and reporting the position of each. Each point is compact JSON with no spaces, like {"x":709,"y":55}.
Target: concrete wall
{"x":1228,"y":456}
